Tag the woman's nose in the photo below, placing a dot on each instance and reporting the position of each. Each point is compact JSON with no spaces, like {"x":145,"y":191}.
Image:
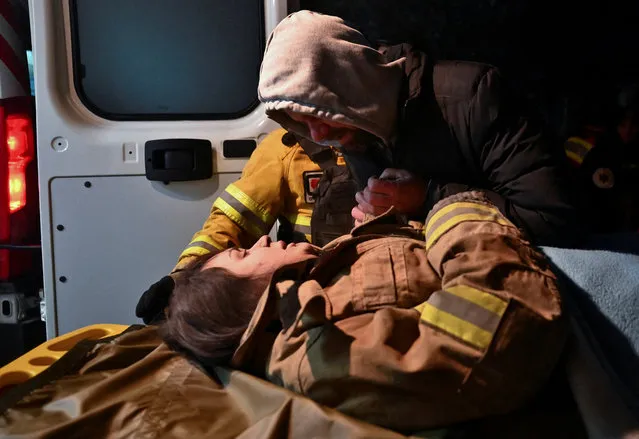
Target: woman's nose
{"x":264,"y":241}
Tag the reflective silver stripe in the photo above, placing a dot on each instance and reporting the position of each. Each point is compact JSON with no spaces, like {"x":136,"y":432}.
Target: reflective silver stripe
{"x":246,"y":213}
{"x":301,"y":223}
{"x":262,"y":213}
{"x":201,"y":244}
{"x":465,"y":310}
{"x":302,"y":229}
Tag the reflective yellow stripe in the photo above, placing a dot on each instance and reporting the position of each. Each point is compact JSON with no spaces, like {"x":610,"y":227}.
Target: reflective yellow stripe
{"x":488,"y":301}
{"x":302,"y":224}
{"x":245,"y":212}
{"x":208,"y":240}
{"x":455,"y":326}
{"x":300,"y":220}
{"x":581,"y":142}
{"x":576,"y":149}
{"x":447,"y":209}
{"x":495,"y":217}
{"x":250,"y":204}
{"x":574,"y":157}
{"x":201,"y":246}
{"x":195,"y":251}
{"x":237,"y":218}
{"x":464,"y":312}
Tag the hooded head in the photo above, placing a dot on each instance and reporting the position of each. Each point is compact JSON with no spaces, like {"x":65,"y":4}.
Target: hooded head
{"x":315,"y":65}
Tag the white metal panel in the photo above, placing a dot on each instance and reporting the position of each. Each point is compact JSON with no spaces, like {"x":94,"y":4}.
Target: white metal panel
{"x":94,"y":146}
{"x":117,"y":237}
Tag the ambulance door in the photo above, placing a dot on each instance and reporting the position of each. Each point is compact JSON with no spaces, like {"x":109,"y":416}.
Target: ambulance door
{"x":145,"y":111}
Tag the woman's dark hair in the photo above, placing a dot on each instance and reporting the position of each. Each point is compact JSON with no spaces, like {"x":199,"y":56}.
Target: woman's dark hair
{"x":208,"y":312}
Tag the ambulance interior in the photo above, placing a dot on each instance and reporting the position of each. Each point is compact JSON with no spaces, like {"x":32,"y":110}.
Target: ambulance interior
{"x":145,"y":110}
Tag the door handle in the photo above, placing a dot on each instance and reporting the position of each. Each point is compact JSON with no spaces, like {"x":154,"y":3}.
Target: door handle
{"x":178,"y":159}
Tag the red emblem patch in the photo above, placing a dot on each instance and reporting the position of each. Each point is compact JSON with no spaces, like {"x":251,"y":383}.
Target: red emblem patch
{"x":311,"y":183}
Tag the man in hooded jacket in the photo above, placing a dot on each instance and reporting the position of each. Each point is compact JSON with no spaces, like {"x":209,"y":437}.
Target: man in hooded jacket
{"x":414,"y":132}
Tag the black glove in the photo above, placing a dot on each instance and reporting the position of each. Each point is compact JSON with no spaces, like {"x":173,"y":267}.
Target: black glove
{"x":150,"y":307}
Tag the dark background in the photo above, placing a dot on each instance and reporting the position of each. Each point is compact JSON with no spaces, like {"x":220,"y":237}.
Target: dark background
{"x":569,"y":57}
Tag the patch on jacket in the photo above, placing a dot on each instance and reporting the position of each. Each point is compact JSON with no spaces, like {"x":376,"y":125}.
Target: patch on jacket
{"x":603,"y":178}
{"x":311,"y":182}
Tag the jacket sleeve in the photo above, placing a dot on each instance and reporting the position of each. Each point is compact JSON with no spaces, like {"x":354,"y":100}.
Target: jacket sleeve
{"x":525,"y":175}
{"x":470,"y":241}
{"x":498,"y":294}
{"x":248,"y":208}
{"x":482,"y":258}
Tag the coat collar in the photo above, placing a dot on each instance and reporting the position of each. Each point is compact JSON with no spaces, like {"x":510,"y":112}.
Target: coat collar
{"x":416,"y":68}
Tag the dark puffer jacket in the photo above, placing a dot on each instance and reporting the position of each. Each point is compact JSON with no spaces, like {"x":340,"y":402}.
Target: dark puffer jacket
{"x":460,"y":128}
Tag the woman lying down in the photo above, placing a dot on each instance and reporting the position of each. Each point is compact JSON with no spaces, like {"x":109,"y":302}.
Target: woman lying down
{"x":401,"y":328}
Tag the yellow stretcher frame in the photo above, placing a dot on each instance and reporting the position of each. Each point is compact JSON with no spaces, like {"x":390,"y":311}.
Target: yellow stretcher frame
{"x":41,"y":357}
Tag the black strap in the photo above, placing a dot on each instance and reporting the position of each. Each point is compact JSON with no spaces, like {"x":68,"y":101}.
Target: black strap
{"x":320,"y":154}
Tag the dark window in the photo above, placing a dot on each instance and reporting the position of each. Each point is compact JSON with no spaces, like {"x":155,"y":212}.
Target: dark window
{"x":167,"y":59}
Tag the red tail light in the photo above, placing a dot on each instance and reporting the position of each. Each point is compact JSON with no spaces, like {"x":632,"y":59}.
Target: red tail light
{"x":17,"y":185}
{"x":19,"y":140}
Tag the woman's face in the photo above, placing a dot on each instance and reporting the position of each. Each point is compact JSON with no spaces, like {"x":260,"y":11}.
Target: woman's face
{"x":261,"y":260}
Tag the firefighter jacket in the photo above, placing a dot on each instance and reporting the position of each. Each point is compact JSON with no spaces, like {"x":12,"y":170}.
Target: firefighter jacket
{"x":605,"y":174}
{"x":280,"y":181}
{"x":414,"y":329}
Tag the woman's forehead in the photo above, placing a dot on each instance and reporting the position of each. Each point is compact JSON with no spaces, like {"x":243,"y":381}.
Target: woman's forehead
{"x":215,"y":257}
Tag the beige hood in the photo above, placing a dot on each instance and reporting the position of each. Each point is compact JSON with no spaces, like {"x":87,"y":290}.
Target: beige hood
{"x":317,"y":65}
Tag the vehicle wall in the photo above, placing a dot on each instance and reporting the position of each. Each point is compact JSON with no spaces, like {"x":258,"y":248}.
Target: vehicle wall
{"x":107,"y":231}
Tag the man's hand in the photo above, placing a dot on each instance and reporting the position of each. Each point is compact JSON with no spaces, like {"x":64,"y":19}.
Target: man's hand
{"x":395,"y":187}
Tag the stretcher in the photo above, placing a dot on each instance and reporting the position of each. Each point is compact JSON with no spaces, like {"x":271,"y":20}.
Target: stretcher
{"x":93,"y":391}
{"x":132,"y":380}
{"x":41,"y":357}
{"x":133,"y":385}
